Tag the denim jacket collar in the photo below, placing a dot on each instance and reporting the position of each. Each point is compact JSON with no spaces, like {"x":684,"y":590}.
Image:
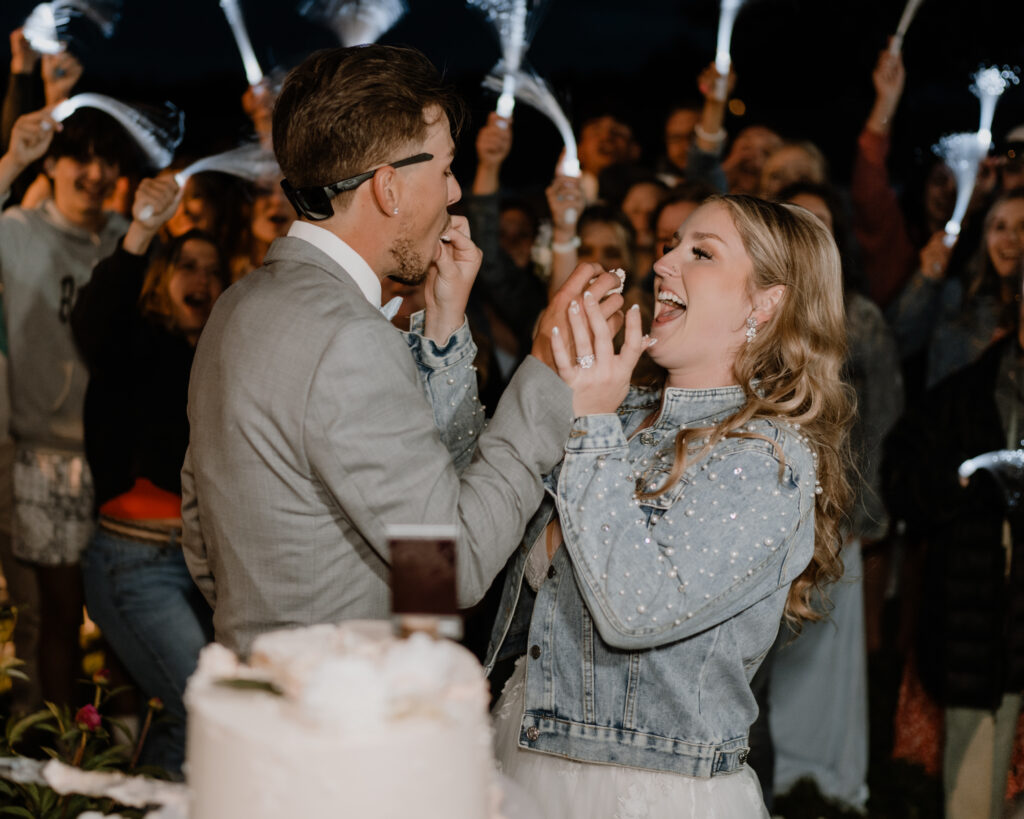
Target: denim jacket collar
{"x":688,"y":408}
{"x":678,"y":408}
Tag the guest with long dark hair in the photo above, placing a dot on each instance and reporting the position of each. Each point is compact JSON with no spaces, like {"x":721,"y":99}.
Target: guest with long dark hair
{"x":137,"y":324}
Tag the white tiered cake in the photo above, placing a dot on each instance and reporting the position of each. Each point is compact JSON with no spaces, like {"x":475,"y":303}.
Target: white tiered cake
{"x":365,"y":725}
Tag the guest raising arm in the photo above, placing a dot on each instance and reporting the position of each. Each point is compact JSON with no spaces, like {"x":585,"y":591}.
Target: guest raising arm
{"x":136,"y":323}
{"x":954,"y":315}
{"x":879,"y":223}
{"x":46,"y":253}
{"x":566,"y":201}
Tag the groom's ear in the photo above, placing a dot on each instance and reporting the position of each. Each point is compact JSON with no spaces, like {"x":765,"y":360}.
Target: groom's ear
{"x":385,"y":186}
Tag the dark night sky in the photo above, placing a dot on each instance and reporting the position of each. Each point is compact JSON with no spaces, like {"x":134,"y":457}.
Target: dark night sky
{"x":803,"y":65}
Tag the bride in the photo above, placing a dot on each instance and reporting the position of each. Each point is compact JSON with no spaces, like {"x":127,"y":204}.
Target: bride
{"x":682,"y":524}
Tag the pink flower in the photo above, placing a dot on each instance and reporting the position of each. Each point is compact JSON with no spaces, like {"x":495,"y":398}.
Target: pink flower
{"x":87,"y":718}
{"x":102,"y":677}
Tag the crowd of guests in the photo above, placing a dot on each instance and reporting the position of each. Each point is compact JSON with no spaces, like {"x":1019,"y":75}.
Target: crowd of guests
{"x":110,"y":272}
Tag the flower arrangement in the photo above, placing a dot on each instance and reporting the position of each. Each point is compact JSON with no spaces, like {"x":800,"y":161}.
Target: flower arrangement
{"x":85,"y":738}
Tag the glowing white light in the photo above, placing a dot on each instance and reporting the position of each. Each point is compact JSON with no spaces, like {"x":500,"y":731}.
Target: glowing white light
{"x":533,"y":91}
{"x":723,"y":60}
{"x":989,"y":85}
{"x":253,"y":72}
{"x":901,"y":30}
{"x":356,"y":22}
{"x":158,"y":141}
{"x":41,"y":29}
{"x":507,"y":101}
{"x":509,"y":18}
{"x":1007,"y":468}
{"x":963,"y":154}
{"x":250,"y":162}
{"x":44,"y":26}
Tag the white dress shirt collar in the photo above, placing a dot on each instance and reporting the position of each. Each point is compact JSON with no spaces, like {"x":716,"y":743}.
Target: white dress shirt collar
{"x":353,"y":264}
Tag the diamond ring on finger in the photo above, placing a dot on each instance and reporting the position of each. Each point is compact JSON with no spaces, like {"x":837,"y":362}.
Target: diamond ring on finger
{"x":585,"y":361}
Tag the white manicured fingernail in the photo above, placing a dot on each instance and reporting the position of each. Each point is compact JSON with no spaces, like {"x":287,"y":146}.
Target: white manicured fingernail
{"x":555,"y":331}
{"x":574,"y":308}
{"x":587,"y":295}
{"x":651,"y":341}
{"x":635,"y":307}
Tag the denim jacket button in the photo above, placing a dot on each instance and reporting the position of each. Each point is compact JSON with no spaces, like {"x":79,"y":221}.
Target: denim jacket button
{"x":551,"y":572}
{"x":648,"y":438}
{"x":535,"y":652}
{"x":532,"y":733}
{"x":742,"y":758}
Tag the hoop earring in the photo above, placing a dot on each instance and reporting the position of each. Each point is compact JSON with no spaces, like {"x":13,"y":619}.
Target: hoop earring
{"x":751,"y":328}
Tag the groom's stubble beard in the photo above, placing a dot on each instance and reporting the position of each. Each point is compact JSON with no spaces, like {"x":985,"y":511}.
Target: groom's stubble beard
{"x":409,"y":265}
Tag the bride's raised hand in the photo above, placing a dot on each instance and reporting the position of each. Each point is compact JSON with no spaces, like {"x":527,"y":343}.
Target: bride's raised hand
{"x":599,"y":377}
{"x":606,"y":287}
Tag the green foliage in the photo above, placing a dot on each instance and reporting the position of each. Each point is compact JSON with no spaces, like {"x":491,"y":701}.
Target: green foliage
{"x":85,"y":744}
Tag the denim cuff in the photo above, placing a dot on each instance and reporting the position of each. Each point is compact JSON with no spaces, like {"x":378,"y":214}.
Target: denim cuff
{"x":593,"y":433}
{"x":430,"y":355}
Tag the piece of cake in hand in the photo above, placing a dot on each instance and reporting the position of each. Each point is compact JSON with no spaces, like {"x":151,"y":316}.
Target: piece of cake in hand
{"x":342,"y":720}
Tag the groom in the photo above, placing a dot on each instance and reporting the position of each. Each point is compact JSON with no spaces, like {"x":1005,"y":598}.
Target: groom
{"x":314,"y":423}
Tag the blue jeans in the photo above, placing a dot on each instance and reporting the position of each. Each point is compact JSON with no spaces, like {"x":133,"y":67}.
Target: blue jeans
{"x":156,"y":620}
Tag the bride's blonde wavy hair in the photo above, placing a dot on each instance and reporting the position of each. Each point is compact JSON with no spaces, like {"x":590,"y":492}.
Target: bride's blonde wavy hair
{"x":795,"y":361}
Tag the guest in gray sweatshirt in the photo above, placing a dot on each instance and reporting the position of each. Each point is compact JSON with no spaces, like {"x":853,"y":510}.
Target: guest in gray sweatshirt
{"x":46,"y":253}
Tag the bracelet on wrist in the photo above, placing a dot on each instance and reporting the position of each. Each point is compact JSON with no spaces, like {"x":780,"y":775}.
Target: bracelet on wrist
{"x":717,"y":136}
{"x":566,"y":247}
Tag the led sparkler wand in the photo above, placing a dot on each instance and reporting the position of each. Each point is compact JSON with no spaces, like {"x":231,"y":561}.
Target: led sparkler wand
{"x":251,"y":162}
{"x":45,"y":27}
{"x":532,"y":90}
{"x":963,"y":153}
{"x":509,"y":18}
{"x":989,"y":85}
{"x":157,"y":140}
{"x":896,"y":44}
{"x":723,"y":60}
{"x":253,"y":72}
{"x":356,"y":22}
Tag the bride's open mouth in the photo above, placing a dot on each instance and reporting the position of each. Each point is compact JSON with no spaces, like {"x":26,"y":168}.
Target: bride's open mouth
{"x":671,"y":307}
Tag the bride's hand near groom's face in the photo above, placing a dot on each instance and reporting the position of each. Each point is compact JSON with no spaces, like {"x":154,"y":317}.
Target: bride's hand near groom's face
{"x":599,"y":377}
{"x":586,"y":277}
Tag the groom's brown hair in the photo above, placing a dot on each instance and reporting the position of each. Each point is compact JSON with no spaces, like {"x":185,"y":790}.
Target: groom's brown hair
{"x":344,"y":111}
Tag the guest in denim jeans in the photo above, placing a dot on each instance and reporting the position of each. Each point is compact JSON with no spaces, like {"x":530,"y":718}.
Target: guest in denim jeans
{"x":682,"y":524}
{"x":137,"y":323}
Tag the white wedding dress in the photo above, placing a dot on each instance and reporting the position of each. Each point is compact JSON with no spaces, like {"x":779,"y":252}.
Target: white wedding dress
{"x":567,"y":789}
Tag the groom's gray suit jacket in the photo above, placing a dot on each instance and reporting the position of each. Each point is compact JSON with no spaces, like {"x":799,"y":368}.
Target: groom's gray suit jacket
{"x":315,"y":423}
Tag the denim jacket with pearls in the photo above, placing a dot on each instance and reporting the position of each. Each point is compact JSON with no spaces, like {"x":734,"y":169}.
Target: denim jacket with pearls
{"x":656,"y":613}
